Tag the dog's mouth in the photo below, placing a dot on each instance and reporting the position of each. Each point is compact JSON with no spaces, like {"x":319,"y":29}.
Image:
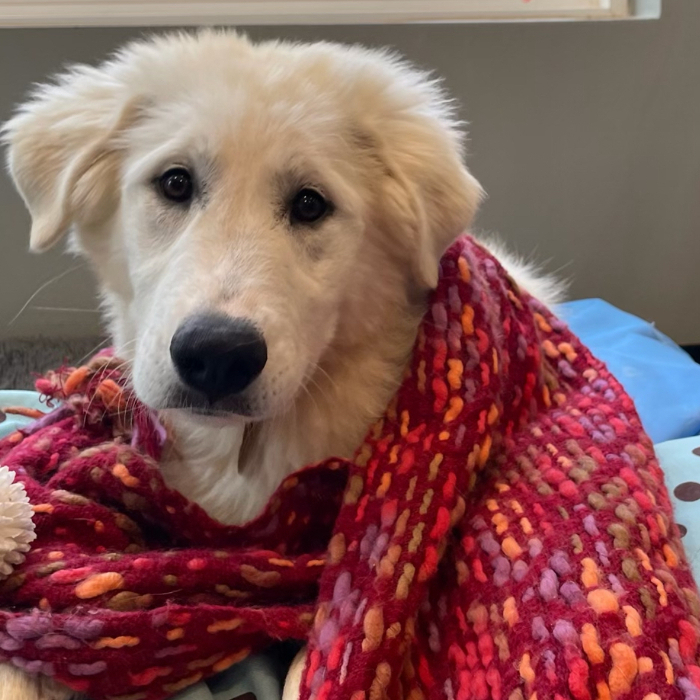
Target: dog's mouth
{"x":229,"y":412}
{"x":206,"y":412}
{"x":229,"y":409}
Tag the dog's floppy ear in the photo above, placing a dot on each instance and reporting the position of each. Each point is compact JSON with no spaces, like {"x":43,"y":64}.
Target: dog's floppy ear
{"x":427,"y":194}
{"x":63,"y":151}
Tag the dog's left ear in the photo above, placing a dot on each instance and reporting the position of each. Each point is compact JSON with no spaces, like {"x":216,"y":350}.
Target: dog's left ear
{"x":427,"y":195}
{"x":63,"y":151}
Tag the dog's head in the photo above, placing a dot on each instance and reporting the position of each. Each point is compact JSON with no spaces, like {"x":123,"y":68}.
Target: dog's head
{"x":245,"y":207}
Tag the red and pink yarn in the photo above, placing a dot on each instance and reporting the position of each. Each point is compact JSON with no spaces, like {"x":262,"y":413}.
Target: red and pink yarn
{"x":503,"y":533}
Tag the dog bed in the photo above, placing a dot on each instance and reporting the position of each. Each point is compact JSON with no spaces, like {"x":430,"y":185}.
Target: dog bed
{"x":503,"y":532}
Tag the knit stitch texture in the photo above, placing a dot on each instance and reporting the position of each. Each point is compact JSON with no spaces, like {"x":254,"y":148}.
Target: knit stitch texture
{"x":503,"y":533}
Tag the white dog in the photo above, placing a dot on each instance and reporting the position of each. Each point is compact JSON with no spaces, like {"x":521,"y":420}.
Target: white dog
{"x":265,"y":222}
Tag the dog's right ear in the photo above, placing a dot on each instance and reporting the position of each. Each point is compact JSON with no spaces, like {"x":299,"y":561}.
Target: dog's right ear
{"x":425,"y":197}
{"x":63,"y":151}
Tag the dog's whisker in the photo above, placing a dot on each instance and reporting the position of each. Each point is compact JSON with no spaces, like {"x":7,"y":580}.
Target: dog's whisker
{"x":46,"y":284}
{"x":65,"y":309}
{"x":325,"y":373}
{"x":92,"y":351}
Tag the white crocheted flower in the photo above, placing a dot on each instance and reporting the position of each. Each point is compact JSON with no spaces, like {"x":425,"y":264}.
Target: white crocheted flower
{"x":16,"y":524}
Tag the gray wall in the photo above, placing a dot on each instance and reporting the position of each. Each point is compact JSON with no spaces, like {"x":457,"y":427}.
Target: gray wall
{"x":586,"y":137}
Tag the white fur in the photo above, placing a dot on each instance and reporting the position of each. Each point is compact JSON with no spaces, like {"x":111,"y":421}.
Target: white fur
{"x":339,"y":304}
{"x":549,"y":289}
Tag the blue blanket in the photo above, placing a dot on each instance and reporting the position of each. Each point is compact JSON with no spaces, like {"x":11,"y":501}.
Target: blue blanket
{"x":663,"y":379}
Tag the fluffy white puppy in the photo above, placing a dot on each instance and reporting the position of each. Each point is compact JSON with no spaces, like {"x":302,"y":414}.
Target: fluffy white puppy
{"x":265,"y":222}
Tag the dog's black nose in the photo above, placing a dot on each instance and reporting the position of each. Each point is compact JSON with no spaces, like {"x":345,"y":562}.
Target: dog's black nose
{"x":218,"y":356}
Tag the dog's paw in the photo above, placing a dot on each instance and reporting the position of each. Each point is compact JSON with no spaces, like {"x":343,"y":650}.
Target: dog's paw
{"x":18,"y":685}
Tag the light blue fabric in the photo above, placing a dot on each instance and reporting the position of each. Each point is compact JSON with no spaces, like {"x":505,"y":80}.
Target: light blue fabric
{"x":662,"y":379}
{"x":25,"y":399}
{"x":681,"y":467}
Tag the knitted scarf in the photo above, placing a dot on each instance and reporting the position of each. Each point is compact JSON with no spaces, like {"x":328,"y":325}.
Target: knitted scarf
{"x":502,"y":534}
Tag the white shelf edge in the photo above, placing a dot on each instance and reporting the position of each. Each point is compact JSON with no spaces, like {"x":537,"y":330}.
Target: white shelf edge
{"x":95,"y":13}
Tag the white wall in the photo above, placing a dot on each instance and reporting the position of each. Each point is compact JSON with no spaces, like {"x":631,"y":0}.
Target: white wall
{"x":586,"y":136}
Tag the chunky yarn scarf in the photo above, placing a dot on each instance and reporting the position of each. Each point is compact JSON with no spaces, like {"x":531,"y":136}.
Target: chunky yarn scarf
{"x":503,"y":533}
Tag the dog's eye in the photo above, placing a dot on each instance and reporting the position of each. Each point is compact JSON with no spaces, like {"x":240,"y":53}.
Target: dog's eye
{"x":176,"y":185}
{"x":308,"y":207}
